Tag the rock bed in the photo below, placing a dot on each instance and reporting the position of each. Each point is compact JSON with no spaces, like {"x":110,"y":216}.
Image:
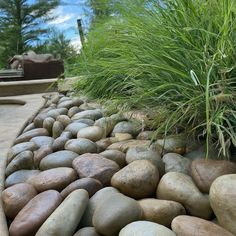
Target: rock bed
{"x":75,"y":172}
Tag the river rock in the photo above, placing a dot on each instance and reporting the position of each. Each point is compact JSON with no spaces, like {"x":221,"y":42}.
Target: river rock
{"x":41,"y":153}
{"x":88,"y":122}
{"x":34,"y":213}
{"x":21,"y":147}
{"x":104,"y":143}
{"x":179,"y":187}
{"x":75,"y":127}
{"x":145,"y":153}
{"x":116,"y":212}
{"x":20,"y":176}
{"x":29,"y":127}
{"x":66,"y":104}
{"x":95,"y":166}
{"x":123,"y":146}
{"x":127,"y":127}
{"x":145,"y":228}
{"x":89,"y":184}
{"x":174,"y":143}
{"x":57,"y":129}
{"x":161,"y":211}
{"x":57,"y":179}
{"x":66,"y":134}
{"x":23,"y":160}
{"x":93,"y":133}
{"x":106,"y":123}
{"x":123,"y":136}
{"x":81,"y":146}
{"x":87,"y":231}
{"x":73,"y":110}
{"x":16,"y":197}
{"x":145,"y":135}
{"x":38,"y":120}
{"x":174,"y":162}
{"x":71,"y":209}
{"x":89,"y":114}
{"x":48,"y":124}
{"x":64,"y":119}
{"x":189,"y":225}
{"x":59,"y":144}
{"x":42,"y":141}
{"x":204,"y":172}
{"x":138,"y":180}
{"x":222,"y":199}
{"x":94,"y":202}
{"x":30,"y":134}
{"x":58,"y":159}
{"x":53,"y":113}
{"x":116,"y":156}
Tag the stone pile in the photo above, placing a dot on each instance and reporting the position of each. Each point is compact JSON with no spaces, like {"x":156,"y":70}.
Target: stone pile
{"x":75,"y":171}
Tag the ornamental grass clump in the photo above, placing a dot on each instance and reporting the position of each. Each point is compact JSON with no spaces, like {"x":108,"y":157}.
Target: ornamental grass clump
{"x":177,"y":57}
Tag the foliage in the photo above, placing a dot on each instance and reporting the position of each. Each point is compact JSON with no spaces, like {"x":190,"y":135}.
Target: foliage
{"x":176,"y":57}
{"x":21,"y":24}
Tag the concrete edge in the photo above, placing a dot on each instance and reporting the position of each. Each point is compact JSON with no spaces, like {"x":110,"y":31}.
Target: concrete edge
{"x":4,"y":231}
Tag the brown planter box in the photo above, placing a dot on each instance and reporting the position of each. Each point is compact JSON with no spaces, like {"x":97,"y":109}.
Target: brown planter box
{"x":42,"y":70}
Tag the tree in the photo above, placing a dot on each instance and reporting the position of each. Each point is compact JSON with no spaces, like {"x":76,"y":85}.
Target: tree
{"x":22,"y":23}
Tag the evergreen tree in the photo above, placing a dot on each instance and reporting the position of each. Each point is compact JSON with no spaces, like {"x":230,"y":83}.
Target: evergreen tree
{"x":21,"y":24}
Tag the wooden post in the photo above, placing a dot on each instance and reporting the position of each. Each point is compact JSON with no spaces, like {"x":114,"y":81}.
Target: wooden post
{"x":81,"y":32}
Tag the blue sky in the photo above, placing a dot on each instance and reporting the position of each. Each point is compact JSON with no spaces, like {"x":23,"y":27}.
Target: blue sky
{"x":66,"y":19}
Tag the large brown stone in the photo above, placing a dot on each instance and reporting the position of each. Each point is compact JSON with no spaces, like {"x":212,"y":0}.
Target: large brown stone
{"x":161,"y":211}
{"x":16,"y":197}
{"x":180,"y":188}
{"x":115,"y":213}
{"x":222,"y":199}
{"x":89,"y":184}
{"x":139,"y":179}
{"x":95,"y":166}
{"x":204,"y":172}
{"x":189,"y":225}
{"x":57,"y":178}
{"x":30,"y":134}
{"x":32,"y":216}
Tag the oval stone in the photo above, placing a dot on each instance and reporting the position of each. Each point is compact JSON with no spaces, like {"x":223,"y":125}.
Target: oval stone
{"x":95,"y":166}
{"x":41,"y":153}
{"x":75,"y":127}
{"x":48,"y":124}
{"x":58,"y":159}
{"x":180,"y":188}
{"x":126,"y":127}
{"x":161,"y":211}
{"x":93,"y":133}
{"x":89,"y":114}
{"x":116,"y":156}
{"x":59,"y":143}
{"x":64,"y":119}
{"x":189,"y":225}
{"x":57,"y":178}
{"x":35,"y":212}
{"x":30,"y":134}
{"x":146,"y":228}
{"x":204,"y":172}
{"x":115,"y":213}
{"x":16,"y":197}
{"x":222,"y":199}
{"x":87,"y":231}
{"x":89,"y":184}
{"x":71,"y":209}
{"x":42,"y":141}
{"x":81,"y":146}
{"x":24,"y":160}
{"x":57,"y":129}
{"x":139,"y":179}
{"x":94,"y":202}
{"x":20,"y":176}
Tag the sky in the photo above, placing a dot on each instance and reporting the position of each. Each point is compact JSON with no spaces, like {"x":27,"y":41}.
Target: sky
{"x":66,"y":19}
